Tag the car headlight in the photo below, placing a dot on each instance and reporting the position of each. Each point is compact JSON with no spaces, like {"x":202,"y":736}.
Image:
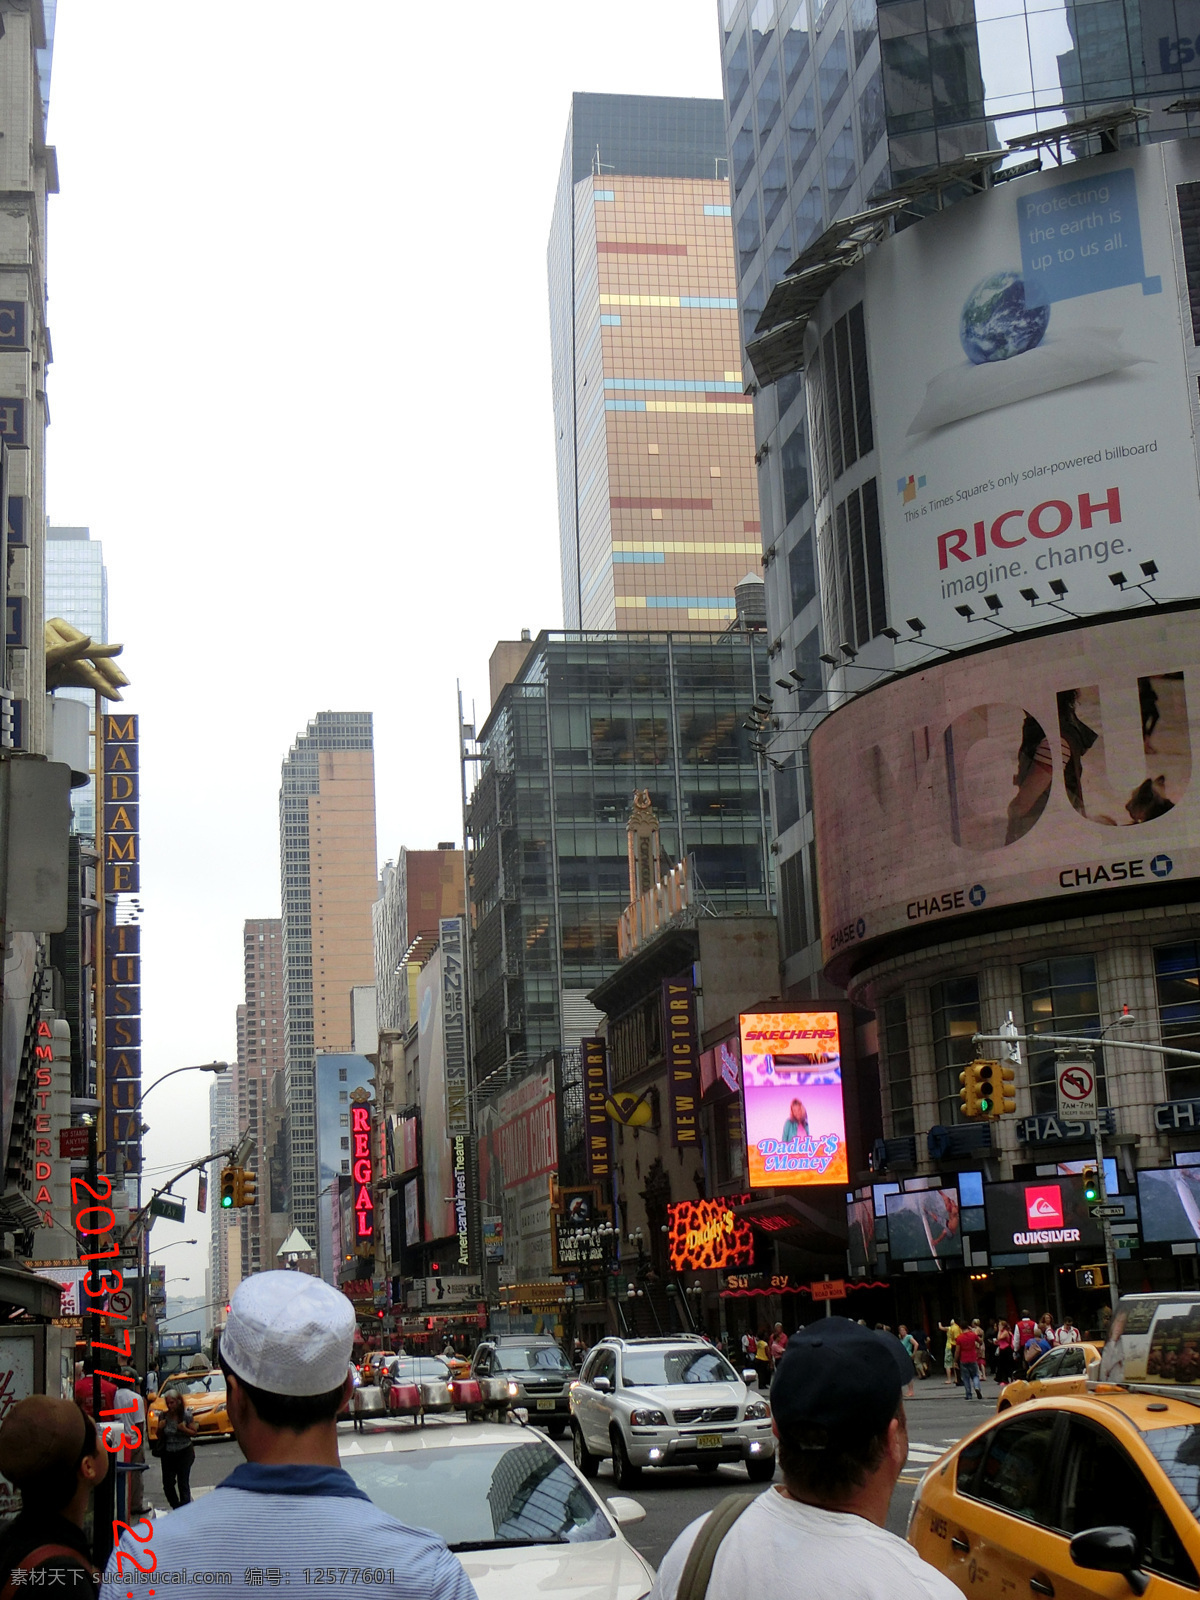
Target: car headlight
{"x":757,"y":1410}
{"x":513,"y":1391}
{"x":648,"y":1419}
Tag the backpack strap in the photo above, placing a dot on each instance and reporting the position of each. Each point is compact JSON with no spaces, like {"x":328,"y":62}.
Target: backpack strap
{"x":697,"y":1570}
{"x":36,"y":1558}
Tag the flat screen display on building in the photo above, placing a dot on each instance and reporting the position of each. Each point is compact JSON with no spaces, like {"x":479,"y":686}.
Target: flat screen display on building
{"x":1043,"y":769}
{"x":792,"y":1080}
{"x":1169,"y":1203}
{"x":860,"y":1232}
{"x":924,"y":1226}
{"x":1039,"y":1214}
{"x":708,"y":1233}
{"x":1030,"y":399}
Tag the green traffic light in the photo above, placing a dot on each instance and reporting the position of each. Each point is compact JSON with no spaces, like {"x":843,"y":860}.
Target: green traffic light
{"x":226,"y":1201}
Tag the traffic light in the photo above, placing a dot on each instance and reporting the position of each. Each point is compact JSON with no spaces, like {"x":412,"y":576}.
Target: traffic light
{"x":1095,"y":1277}
{"x":228,"y":1187}
{"x":245,"y":1187}
{"x":1006,"y":1090}
{"x":1091,"y":1184}
{"x":986,"y":1090}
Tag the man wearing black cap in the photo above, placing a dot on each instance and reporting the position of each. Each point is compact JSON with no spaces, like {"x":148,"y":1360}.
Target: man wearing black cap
{"x":843,"y":1440}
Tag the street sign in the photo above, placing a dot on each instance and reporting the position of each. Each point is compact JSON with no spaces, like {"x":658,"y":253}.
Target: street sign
{"x":1116,"y":1212}
{"x":169,"y":1209}
{"x":120,"y":1301}
{"x":1077,"y":1088}
{"x":73,"y":1144}
{"x":833,"y":1289}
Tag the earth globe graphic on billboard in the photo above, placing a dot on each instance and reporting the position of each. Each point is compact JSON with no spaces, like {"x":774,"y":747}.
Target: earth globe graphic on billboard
{"x":1002,"y":318}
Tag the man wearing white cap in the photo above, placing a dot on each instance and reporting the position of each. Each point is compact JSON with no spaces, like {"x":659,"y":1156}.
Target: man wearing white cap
{"x":285,"y":1353}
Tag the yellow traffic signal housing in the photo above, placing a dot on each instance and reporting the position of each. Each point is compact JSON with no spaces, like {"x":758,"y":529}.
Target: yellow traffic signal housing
{"x":968,"y":1095}
{"x":228,"y":1184}
{"x":245,"y":1187}
{"x":1091,"y":1184}
{"x":1094,"y":1277}
{"x":985,"y":1090}
{"x":1005,"y":1090}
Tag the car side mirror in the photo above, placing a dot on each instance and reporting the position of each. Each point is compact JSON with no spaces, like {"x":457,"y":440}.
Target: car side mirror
{"x":626,"y":1510}
{"x":1111,"y":1549}
{"x":602,"y":1385}
{"x":749,"y":1375}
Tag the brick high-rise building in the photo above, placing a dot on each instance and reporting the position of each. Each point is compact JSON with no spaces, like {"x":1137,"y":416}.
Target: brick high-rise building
{"x":654,"y":434}
{"x":259,"y":1090}
{"x":329,"y":884}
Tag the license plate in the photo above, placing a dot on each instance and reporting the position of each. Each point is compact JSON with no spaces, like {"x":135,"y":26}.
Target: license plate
{"x":709,"y":1441}
{"x":545,"y":1405}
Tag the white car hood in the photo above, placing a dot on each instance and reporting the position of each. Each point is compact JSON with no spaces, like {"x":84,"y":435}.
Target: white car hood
{"x":688,"y":1396}
{"x":602,"y":1569}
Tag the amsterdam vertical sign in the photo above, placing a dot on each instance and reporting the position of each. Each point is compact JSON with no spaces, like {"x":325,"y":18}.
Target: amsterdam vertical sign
{"x":454,"y":1027}
{"x":121,"y":853}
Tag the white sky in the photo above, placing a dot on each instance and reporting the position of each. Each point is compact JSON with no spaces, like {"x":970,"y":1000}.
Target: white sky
{"x":301,"y":391}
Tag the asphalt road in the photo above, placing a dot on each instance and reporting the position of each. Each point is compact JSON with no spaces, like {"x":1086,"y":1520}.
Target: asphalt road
{"x":938,"y":1416}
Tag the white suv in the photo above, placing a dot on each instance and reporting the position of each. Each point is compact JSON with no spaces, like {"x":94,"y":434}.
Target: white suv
{"x":670,"y":1402}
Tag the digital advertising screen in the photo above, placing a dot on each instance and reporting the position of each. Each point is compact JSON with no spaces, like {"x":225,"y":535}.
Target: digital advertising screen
{"x":879,"y":1193}
{"x":860,"y":1232}
{"x":924,"y":1226}
{"x":1045,"y":769}
{"x":1169,"y":1203}
{"x":708,"y":1233}
{"x":792,"y":1081}
{"x":1039,"y":1214}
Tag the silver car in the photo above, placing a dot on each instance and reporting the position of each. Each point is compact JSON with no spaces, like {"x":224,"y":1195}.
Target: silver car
{"x":668,"y":1402}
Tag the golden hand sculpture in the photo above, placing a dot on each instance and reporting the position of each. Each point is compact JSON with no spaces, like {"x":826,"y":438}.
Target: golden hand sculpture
{"x":73,"y":661}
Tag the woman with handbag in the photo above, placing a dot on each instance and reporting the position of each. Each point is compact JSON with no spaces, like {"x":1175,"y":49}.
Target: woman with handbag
{"x":175,"y":1435}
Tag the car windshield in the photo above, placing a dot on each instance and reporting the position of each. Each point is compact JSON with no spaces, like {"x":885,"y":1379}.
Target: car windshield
{"x":691,"y":1365}
{"x":531,"y":1358}
{"x":412,"y":1368}
{"x":205,"y":1383}
{"x":1177,"y":1451}
{"x":477,"y":1497}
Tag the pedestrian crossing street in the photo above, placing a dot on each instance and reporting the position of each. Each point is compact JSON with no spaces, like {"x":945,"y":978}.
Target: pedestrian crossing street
{"x":921,"y":1456}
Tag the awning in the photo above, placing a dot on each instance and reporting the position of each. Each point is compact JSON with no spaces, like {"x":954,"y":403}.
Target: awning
{"x":40,"y":1296}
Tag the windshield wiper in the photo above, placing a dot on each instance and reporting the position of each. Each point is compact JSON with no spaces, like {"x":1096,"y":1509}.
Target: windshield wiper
{"x":505,"y":1544}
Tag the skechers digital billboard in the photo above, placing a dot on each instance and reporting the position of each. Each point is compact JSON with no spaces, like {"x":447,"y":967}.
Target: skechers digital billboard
{"x":792,"y":1081}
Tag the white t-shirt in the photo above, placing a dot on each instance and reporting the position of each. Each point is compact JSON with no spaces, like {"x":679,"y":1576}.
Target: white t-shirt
{"x":1067,"y":1334}
{"x":841,"y":1556}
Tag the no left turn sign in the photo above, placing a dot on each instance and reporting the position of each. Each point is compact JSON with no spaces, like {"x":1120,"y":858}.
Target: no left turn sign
{"x":1077,"y":1089}
{"x":121,"y":1301}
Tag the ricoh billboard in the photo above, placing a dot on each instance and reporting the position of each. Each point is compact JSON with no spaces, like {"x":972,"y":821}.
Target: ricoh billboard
{"x":1042,"y":769}
{"x":1032,"y":406}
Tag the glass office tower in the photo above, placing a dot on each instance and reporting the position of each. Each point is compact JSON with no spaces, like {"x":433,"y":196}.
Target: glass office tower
{"x":77,"y":591}
{"x":829,"y":106}
{"x":589,"y":720}
{"x":658,"y":507}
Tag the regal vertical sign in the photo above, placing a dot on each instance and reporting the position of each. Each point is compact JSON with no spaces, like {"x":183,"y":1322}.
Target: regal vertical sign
{"x":597,"y":1127}
{"x":121,"y":854}
{"x":363,"y":1172}
{"x":454,"y":1027}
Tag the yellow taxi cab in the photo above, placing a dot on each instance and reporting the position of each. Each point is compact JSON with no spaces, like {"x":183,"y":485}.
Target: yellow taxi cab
{"x":1064,"y":1370}
{"x":1073,"y":1496}
{"x":203,"y":1399}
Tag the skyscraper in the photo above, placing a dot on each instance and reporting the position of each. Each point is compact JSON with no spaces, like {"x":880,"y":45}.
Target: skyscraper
{"x":258,"y":1088}
{"x":77,"y":591}
{"x":829,"y":105}
{"x":328,"y":880}
{"x":658,"y":507}
{"x":225,"y":1260}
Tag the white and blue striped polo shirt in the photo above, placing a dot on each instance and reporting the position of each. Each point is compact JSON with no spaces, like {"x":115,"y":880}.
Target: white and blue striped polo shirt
{"x":310,"y":1529}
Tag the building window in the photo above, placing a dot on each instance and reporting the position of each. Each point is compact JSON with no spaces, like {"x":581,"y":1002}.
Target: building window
{"x":774,"y":190}
{"x":743,"y":157}
{"x":793,"y":914}
{"x":787,"y":800}
{"x":1060,"y":996}
{"x":833,"y":73}
{"x":796,"y":45}
{"x":954,"y":1004}
{"x":802,"y":132}
{"x":855,"y":593}
{"x":341,"y":1074}
{"x":1177,"y":979}
{"x":768,"y":108}
{"x":737,"y":79}
{"x":793,"y":456}
{"x":346,"y":1143}
{"x":840,"y":167}
{"x":897,"y":1056}
{"x":749,"y":236}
